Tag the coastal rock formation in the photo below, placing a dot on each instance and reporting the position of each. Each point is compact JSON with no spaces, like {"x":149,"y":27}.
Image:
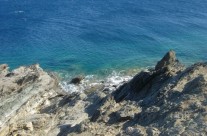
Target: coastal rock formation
{"x":163,"y":101}
{"x":167,"y":100}
{"x":22,"y":91}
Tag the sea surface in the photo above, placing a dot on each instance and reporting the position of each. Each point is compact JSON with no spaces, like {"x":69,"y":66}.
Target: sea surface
{"x":96,"y":36}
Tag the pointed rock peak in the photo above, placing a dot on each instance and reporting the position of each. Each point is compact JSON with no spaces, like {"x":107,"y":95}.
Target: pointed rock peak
{"x":167,"y":60}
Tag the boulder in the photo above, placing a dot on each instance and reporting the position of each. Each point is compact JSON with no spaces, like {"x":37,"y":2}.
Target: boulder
{"x":76,"y":80}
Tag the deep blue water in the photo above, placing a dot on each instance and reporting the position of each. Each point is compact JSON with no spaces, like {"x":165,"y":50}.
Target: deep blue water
{"x":92,"y":35}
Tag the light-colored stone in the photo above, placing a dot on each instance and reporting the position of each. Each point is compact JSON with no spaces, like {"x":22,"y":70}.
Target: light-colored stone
{"x":167,"y":100}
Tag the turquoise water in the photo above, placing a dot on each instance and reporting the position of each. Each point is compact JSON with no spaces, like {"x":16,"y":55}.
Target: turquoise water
{"x":87,"y":36}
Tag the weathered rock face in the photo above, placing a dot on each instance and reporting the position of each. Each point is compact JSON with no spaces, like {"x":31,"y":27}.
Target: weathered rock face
{"x":167,"y":100}
{"x":22,"y":91}
{"x":33,"y":103}
{"x":147,"y":82}
{"x":168,"y":60}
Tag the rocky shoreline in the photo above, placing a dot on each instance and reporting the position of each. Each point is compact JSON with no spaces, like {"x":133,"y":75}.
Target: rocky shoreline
{"x":167,"y":100}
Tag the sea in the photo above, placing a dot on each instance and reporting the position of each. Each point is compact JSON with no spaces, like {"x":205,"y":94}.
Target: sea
{"x":101,"y":37}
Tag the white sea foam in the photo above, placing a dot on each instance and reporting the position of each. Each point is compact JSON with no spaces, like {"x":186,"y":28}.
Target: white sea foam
{"x":116,"y":79}
{"x":111,"y":81}
{"x":18,"y":12}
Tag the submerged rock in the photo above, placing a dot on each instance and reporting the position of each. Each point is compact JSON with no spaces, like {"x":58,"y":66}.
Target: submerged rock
{"x":76,"y":80}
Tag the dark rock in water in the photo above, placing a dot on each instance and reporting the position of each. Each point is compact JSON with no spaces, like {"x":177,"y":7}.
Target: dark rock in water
{"x":76,"y":80}
{"x":168,"y":59}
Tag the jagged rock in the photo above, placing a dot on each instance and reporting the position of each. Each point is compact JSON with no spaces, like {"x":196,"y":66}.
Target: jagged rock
{"x":159,"y":94}
{"x":143,"y":82}
{"x":167,"y":60}
{"x":167,"y":100}
{"x":22,"y":93}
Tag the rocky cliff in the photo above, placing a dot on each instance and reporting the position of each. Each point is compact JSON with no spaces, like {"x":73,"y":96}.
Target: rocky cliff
{"x":169,"y":99}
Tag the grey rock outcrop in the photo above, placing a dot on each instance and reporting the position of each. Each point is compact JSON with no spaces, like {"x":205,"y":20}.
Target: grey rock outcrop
{"x":167,"y":100}
{"x":32,"y":103}
{"x":168,"y":60}
{"x":147,"y":82}
{"x":22,"y":91}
